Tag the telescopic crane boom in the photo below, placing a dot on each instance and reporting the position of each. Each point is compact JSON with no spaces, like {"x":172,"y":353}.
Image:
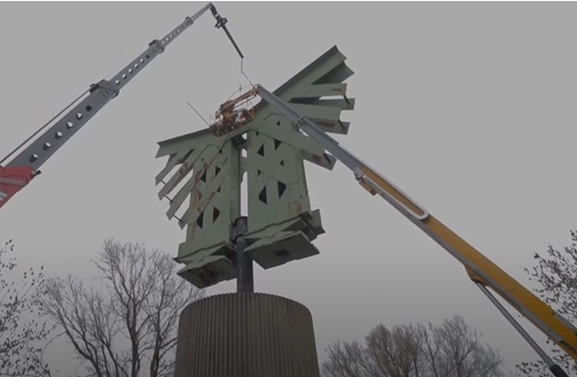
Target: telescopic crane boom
{"x":19,"y":171}
{"x":484,"y":273}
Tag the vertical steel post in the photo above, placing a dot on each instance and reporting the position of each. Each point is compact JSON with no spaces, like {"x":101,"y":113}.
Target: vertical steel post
{"x":245,"y":276}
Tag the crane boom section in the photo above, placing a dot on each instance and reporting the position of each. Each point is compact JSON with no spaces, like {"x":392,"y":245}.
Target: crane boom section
{"x":479,"y":267}
{"x":47,"y":144}
{"x":18,"y":172}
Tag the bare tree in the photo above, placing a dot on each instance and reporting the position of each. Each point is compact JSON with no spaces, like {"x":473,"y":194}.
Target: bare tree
{"x":346,"y":360}
{"x":22,"y":336}
{"x":462,"y":354}
{"x":394,"y":353}
{"x":126,"y":327}
{"x":452,"y":349}
{"x":556,"y":276}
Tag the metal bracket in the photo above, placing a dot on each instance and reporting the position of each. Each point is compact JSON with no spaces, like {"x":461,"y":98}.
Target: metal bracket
{"x":361,"y":177}
{"x":158,"y":44}
{"x":239,"y":142}
{"x":220,"y":22}
{"x":239,"y":227}
{"x":106,"y":85}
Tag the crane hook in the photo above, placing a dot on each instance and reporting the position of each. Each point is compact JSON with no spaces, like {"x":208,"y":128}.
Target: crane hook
{"x":221,"y":23}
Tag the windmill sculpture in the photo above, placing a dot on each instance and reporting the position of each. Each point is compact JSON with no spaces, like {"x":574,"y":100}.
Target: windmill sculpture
{"x":247,"y":333}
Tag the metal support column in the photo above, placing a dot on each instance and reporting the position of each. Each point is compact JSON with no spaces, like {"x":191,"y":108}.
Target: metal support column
{"x":245,"y":276}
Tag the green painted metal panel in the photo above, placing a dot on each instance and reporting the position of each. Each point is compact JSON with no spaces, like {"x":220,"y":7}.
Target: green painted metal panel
{"x":324,"y":90}
{"x":288,"y":135}
{"x":348,"y":104}
{"x":313,"y":73}
{"x":214,"y":205}
{"x":210,"y":170}
{"x":185,"y":168}
{"x":183,"y":144}
{"x":207,"y":172}
{"x":326,"y":160}
{"x":277,"y":194}
{"x":272,"y":200}
{"x":332,"y":113}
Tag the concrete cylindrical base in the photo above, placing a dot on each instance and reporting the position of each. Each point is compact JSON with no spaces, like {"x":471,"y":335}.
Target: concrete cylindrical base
{"x":246,"y":335}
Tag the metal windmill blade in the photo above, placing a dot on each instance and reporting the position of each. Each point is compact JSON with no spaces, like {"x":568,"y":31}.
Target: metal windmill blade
{"x":281,"y":224}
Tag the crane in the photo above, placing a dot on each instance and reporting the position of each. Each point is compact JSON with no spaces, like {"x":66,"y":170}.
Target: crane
{"x":22,"y":168}
{"x":484,"y":273}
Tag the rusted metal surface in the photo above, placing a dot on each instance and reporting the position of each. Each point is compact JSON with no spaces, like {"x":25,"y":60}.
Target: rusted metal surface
{"x":277,"y":192}
{"x":211,"y":174}
{"x":234,"y":114}
{"x":246,"y":335}
{"x":281,"y":223}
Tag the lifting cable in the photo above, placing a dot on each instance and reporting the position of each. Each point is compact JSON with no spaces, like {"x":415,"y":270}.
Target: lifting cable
{"x":246,"y":77}
{"x":243,"y":73}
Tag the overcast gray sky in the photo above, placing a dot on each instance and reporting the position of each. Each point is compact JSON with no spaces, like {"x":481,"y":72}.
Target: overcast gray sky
{"x":469,"y":107}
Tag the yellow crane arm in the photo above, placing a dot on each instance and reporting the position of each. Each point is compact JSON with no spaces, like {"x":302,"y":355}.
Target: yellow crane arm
{"x":480,"y":269}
